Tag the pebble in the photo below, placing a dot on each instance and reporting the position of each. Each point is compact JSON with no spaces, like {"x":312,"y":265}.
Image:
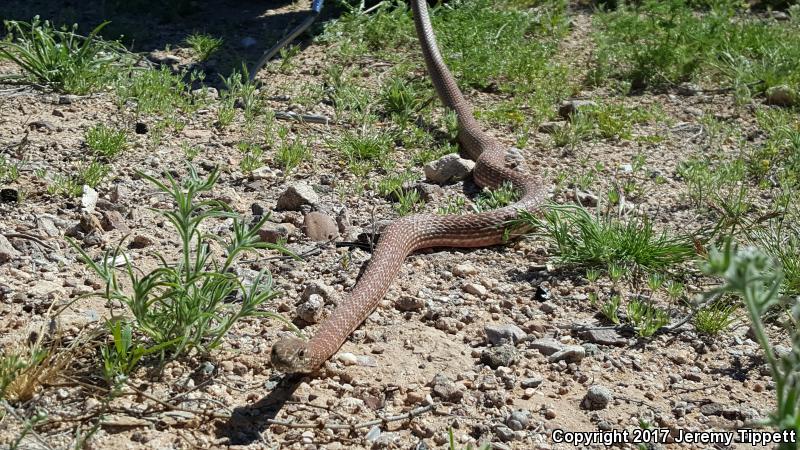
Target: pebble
{"x":297,"y":195}
{"x":505,"y":433}
{"x":113,"y":220}
{"x":568,"y":108}
{"x":604,"y":337}
{"x":519,"y":420}
{"x":547,"y":346}
{"x":7,"y":251}
{"x":320,"y":227}
{"x":494,"y":357}
{"x":570,"y":354}
{"x":448,"y":168}
{"x":348,"y":359}
{"x":475,"y":289}
{"x":497,"y":334}
{"x":445,"y":388}
{"x":781,"y":96}
{"x":597,"y":397}
{"x":310,"y":311}
{"x":464,"y":270}
{"x":319,"y":288}
{"x":409,"y":303}
{"x":88,"y":199}
{"x":275,"y":232}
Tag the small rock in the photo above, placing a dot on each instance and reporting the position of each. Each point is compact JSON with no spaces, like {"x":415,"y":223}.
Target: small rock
{"x":47,"y":226}
{"x":475,"y":289}
{"x":506,"y":333}
{"x":275,"y":232}
{"x":531,"y":382}
{"x":586,"y":198}
{"x":310,"y":311}
{"x":688,"y":89}
{"x":547,"y":346}
{"x":409,"y":303}
{"x":263,"y":173}
{"x":113,"y":220}
{"x":548,"y":307}
{"x":319,"y":288}
{"x":712,"y":409}
{"x":505,"y":433}
{"x":604,"y":337}
{"x":141,"y":241}
{"x":348,"y":359}
{"x":342,"y":220}
{"x":88,"y":199}
{"x":519,"y":420}
{"x":445,"y":388}
{"x":542,"y":294}
{"x":494,"y":357}
{"x":780,"y":15}
{"x":67,"y":99}
{"x":569,"y":108}
{"x":119,"y":193}
{"x":320,"y":227}
{"x":781,"y":96}
{"x":549,"y":127}
{"x":570,"y":354}
{"x":448,"y":168}
{"x":464,"y":270}
{"x":597,"y":397}
{"x":297,"y":195}
{"x":7,"y":251}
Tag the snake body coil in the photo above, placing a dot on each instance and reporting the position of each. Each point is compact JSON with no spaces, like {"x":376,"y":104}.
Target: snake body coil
{"x":494,"y":166}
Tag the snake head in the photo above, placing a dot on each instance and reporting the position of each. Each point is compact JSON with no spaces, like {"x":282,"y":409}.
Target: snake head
{"x":291,"y":355}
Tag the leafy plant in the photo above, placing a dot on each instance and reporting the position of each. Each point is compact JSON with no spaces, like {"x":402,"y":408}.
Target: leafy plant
{"x":750,"y":274}
{"x":253,"y":157}
{"x":602,"y":239}
{"x":291,"y":153}
{"x":106,"y":141}
{"x":61,"y":58}
{"x":203,"y":45}
{"x":490,"y":199}
{"x":715,"y":318}
{"x":9,"y":172}
{"x":645,"y":317}
{"x":186,"y":305}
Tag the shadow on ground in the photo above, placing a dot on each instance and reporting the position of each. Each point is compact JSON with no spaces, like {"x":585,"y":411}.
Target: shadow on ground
{"x":248,"y":27}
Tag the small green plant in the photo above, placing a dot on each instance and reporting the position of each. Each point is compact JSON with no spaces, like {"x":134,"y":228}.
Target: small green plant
{"x":106,"y":141}
{"x":253,"y":157}
{"x":120,"y":358}
{"x":72,"y":185}
{"x":157,"y":91}
{"x":756,"y":278}
{"x":287,"y":55}
{"x":203,"y":45}
{"x":400,"y":99}
{"x":609,"y":309}
{"x":408,"y":201}
{"x":715,"y":318}
{"x":454,"y":205}
{"x":61,"y":58}
{"x":364,"y":147}
{"x":190,"y":152}
{"x":291,"y":154}
{"x":602,"y":239}
{"x":186,"y":305}
{"x":496,"y":198}
{"x":9,"y":172}
{"x":646,"y":318}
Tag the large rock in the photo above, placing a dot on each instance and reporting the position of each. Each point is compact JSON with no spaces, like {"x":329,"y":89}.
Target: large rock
{"x":450,"y":167}
{"x":297,"y":195}
{"x":507,"y":333}
{"x":781,"y":96}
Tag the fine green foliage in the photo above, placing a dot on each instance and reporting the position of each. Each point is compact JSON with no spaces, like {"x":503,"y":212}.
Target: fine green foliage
{"x":781,"y":240}
{"x":61,"y":59}
{"x":602,"y":239}
{"x":490,"y":199}
{"x":203,"y":45}
{"x":253,"y":157}
{"x":715,"y":318}
{"x":362,"y":149}
{"x":71,"y":185}
{"x":754,"y":277}
{"x":184,"y":306}
{"x":657,"y":42}
{"x":646,"y":318}
{"x":9,"y":172}
{"x":106,"y":141}
{"x":157,"y":92}
{"x":291,"y":153}
{"x":400,"y":99}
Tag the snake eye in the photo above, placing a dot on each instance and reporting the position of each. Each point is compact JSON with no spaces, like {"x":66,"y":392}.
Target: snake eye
{"x":302,"y":353}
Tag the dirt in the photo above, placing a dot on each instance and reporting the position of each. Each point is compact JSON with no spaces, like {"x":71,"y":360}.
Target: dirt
{"x":675,"y":381}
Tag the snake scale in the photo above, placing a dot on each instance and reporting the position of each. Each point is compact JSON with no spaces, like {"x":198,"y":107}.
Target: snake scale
{"x":495,"y":165}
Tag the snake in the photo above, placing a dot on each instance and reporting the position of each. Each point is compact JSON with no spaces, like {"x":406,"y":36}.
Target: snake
{"x":495,"y":165}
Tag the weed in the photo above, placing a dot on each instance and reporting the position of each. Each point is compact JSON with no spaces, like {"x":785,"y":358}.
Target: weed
{"x":408,"y":201}
{"x":253,"y":157}
{"x":496,"y":198}
{"x":157,"y":91}
{"x":72,"y":185}
{"x":609,"y":309}
{"x":9,"y":172}
{"x":287,"y":55}
{"x":60,"y":58}
{"x":661,"y":42}
{"x":190,"y":152}
{"x":290,"y":154}
{"x":185,"y":306}
{"x":400,"y":99}
{"x":454,"y":205}
{"x":203,"y":45}
{"x":781,"y":240}
{"x":646,"y":318}
{"x":106,"y":141}
{"x":603,"y":240}
{"x":715,"y":318}
{"x":363,"y":147}
{"x":754,"y":277}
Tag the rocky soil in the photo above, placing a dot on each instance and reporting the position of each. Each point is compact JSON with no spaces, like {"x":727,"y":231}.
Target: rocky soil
{"x":486,"y":342}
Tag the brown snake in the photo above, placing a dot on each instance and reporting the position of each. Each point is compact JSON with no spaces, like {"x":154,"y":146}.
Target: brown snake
{"x":494,"y":166}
